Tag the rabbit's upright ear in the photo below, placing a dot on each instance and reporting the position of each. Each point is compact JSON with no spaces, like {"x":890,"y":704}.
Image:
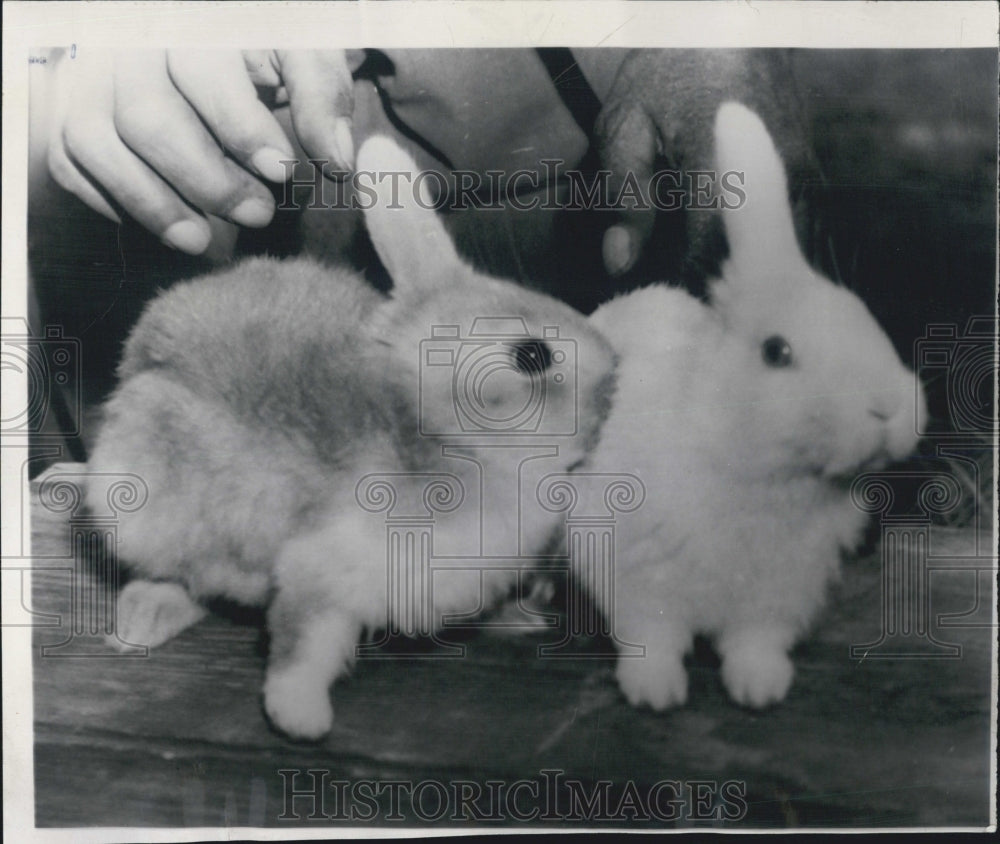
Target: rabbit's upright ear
{"x":408,"y":235}
{"x":760,"y":232}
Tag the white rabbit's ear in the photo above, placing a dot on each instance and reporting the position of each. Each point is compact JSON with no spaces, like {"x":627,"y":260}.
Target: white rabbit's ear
{"x":408,"y":235}
{"x":760,"y":232}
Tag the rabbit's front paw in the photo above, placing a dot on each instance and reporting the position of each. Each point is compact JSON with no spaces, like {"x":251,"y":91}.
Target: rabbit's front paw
{"x":659,"y":683}
{"x":296,"y":705}
{"x":149,"y":613}
{"x":757,"y":677}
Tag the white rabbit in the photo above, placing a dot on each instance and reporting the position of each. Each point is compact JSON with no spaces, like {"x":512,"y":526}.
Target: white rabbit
{"x":746,"y":418}
{"x":253,"y":401}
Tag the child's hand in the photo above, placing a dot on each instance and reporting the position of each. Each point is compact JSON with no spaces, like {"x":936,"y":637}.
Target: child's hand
{"x":663,"y":103}
{"x":170,"y":136}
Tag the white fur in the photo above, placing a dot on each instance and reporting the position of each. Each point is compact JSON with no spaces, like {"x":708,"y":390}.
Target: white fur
{"x":152,"y":613}
{"x":745,"y":465}
{"x":253,"y":401}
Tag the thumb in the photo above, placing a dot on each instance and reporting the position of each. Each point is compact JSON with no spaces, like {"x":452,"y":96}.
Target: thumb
{"x":321,"y":99}
{"x":626,"y":140}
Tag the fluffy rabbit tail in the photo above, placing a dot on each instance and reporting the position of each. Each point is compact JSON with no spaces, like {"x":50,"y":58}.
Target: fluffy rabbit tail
{"x":408,"y":235}
{"x":761,"y":233}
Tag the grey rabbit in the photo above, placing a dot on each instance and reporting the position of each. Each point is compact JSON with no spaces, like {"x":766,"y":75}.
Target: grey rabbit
{"x":253,"y":400}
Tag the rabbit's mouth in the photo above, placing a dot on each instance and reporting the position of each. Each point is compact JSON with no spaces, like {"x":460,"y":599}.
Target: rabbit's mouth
{"x":873,"y":463}
{"x":844,"y":476}
{"x":844,"y":479}
{"x":844,"y":470}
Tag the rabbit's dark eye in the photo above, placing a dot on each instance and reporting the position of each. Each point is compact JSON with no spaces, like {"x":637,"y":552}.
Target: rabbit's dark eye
{"x":532,"y":357}
{"x":776,"y":351}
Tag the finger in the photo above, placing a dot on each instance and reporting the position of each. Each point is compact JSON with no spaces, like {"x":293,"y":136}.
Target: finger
{"x":627,"y":143}
{"x":139,"y":190}
{"x":160,"y":126}
{"x":69,"y":178}
{"x":265,"y":72}
{"x":263,"y":67}
{"x":91,"y":157}
{"x":216,"y":83}
{"x":85,"y":79}
{"x":321,"y":97}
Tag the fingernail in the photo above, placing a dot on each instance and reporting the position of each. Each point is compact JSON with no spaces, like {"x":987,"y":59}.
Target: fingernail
{"x":345,"y":143}
{"x":254,"y":212}
{"x":188,"y":236}
{"x":617,"y":250}
{"x":267,"y":162}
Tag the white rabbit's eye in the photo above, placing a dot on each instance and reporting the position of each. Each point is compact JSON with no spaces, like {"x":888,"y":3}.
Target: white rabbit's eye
{"x":776,"y":351}
{"x":532,"y":357}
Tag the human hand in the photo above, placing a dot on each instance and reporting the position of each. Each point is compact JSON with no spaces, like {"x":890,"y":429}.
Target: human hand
{"x":662,"y":104}
{"x":170,"y":137}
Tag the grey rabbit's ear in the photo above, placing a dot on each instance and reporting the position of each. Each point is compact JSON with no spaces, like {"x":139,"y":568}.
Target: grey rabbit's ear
{"x":408,"y":235}
{"x":761,"y":233}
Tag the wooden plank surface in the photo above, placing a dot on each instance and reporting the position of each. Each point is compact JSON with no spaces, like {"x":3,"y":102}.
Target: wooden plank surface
{"x":178,"y":738}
